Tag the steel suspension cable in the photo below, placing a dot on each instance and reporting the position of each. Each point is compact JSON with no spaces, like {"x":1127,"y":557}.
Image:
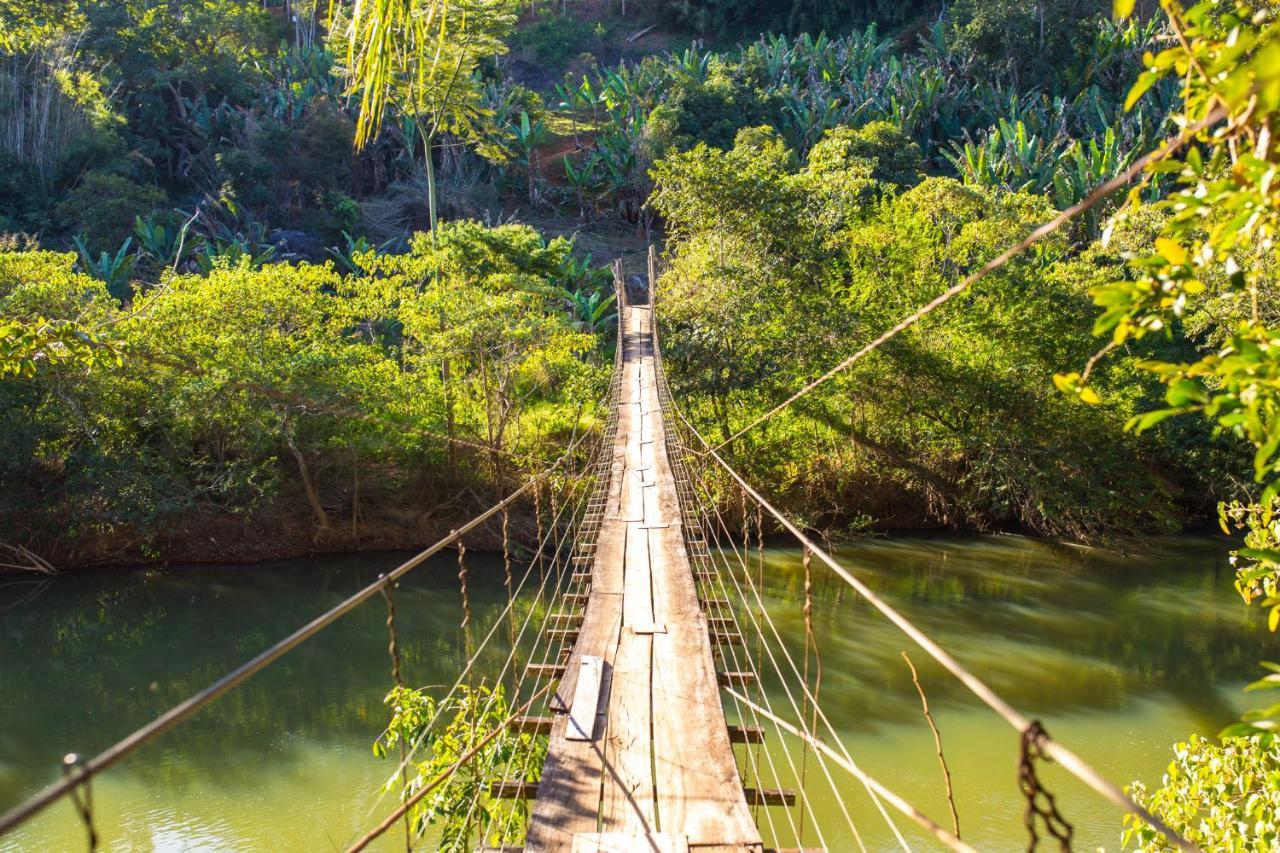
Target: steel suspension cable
{"x":539,"y":559}
{"x":1059,"y":753}
{"x":758,"y":594}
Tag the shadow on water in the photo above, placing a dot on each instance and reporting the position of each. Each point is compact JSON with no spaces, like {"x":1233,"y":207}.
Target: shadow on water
{"x":1128,"y":651}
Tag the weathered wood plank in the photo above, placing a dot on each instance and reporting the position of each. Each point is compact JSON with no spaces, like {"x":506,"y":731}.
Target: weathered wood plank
{"x":770,"y":796}
{"x":622,"y":842}
{"x":533,"y":725}
{"x":746,"y":734}
{"x":699,"y":790}
{"x":586,"y":698}
{"x":508,"y":790}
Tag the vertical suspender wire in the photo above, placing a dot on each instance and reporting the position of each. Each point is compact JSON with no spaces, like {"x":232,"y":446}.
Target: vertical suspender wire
{"x":810,"y":642}
{"x":509,"y":582}
{"x":818,"y":710}
{"x":470,"y":668}
{"x":471,"y":702}
{"x":753,"y":756}
{"x":537,"y":515}
{"x":733,"y":653}
{"x":1069,"y":761}
{"x":853,"y":827}
{"x":471,"y":661}
{"x":393,"y":650}
{"x":552,"y":531}
{"x":743,"y":561}
{"x":746,"y":553}
{"x":470,"y":664}
{"x":577,"y":516}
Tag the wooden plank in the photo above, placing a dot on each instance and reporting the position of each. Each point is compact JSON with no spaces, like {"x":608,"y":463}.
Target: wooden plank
{"x":746,"y":734}
{"x":586,"y":698}
{"x":699,"y":790}
{"x":507,"y":790}
{"x":769,"y":796}
{"x":532,"y":725}
{"x":622,"y":842}
{"x":736,"y":679}
{"x":544,"y":670}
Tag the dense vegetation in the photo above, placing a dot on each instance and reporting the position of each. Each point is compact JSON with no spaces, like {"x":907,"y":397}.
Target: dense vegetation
{"x":254,"y":274}
{"x":243,"y":393}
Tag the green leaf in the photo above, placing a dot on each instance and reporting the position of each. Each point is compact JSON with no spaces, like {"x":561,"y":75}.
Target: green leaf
{"x":1145,"y":81}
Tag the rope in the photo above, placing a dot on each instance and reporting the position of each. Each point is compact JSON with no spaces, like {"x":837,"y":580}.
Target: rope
{"x":462,"y":584}
{"x":1090,"y":201}
{"x":810,"y":642}
{"x":393,"y":650}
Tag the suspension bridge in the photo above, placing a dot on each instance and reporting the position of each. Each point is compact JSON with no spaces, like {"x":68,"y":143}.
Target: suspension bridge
{"x":640,"y":664}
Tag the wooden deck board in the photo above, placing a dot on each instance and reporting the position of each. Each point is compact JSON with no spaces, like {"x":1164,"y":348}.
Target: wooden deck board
{"x":661,"y":764}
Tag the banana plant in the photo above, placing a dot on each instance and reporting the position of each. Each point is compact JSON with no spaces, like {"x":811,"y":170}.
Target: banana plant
{"x":526,"y":136}
{"x":348,"y":256}
{"x":111,"y":270}
{"x":591,"y":311}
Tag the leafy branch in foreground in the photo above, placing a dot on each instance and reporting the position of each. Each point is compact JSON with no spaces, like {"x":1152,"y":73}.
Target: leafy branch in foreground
{"x":1212,"y":269}
{"x":439,"y":733}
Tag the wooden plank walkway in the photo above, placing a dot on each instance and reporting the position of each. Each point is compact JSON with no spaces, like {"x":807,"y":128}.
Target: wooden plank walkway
{"x":657,"y":772}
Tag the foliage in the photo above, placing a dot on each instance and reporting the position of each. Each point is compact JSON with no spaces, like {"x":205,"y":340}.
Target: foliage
{"x":1047,"y":45}
{"x":1217,"y":797}
{"x":247,"y":388}
{"x":111,"y":270}
{"x":1212,"y":265}
{"x":103,"y":206}
{"x":462,"y":807}
{"x":776,"y":263}
{"x":1264,"y":723}
{"x":551,"y":39}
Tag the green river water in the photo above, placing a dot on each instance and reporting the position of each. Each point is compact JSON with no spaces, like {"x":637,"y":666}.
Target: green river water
{"x":1120,"y":652}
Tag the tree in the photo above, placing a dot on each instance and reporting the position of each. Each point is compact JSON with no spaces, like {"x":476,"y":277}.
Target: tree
{"x":420,"y":57}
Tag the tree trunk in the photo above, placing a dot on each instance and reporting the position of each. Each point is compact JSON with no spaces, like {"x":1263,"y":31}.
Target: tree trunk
{"x":308,"y":486}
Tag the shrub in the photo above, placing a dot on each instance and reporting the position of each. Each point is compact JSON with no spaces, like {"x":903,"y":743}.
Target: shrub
{"x":1218,"y":797}
{"x":103,"y":207}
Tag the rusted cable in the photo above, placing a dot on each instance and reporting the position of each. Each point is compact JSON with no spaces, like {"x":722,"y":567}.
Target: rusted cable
{"x":81,"y":795}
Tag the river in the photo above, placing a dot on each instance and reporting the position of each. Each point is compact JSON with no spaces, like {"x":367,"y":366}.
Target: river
{"x":1121,"y":653}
